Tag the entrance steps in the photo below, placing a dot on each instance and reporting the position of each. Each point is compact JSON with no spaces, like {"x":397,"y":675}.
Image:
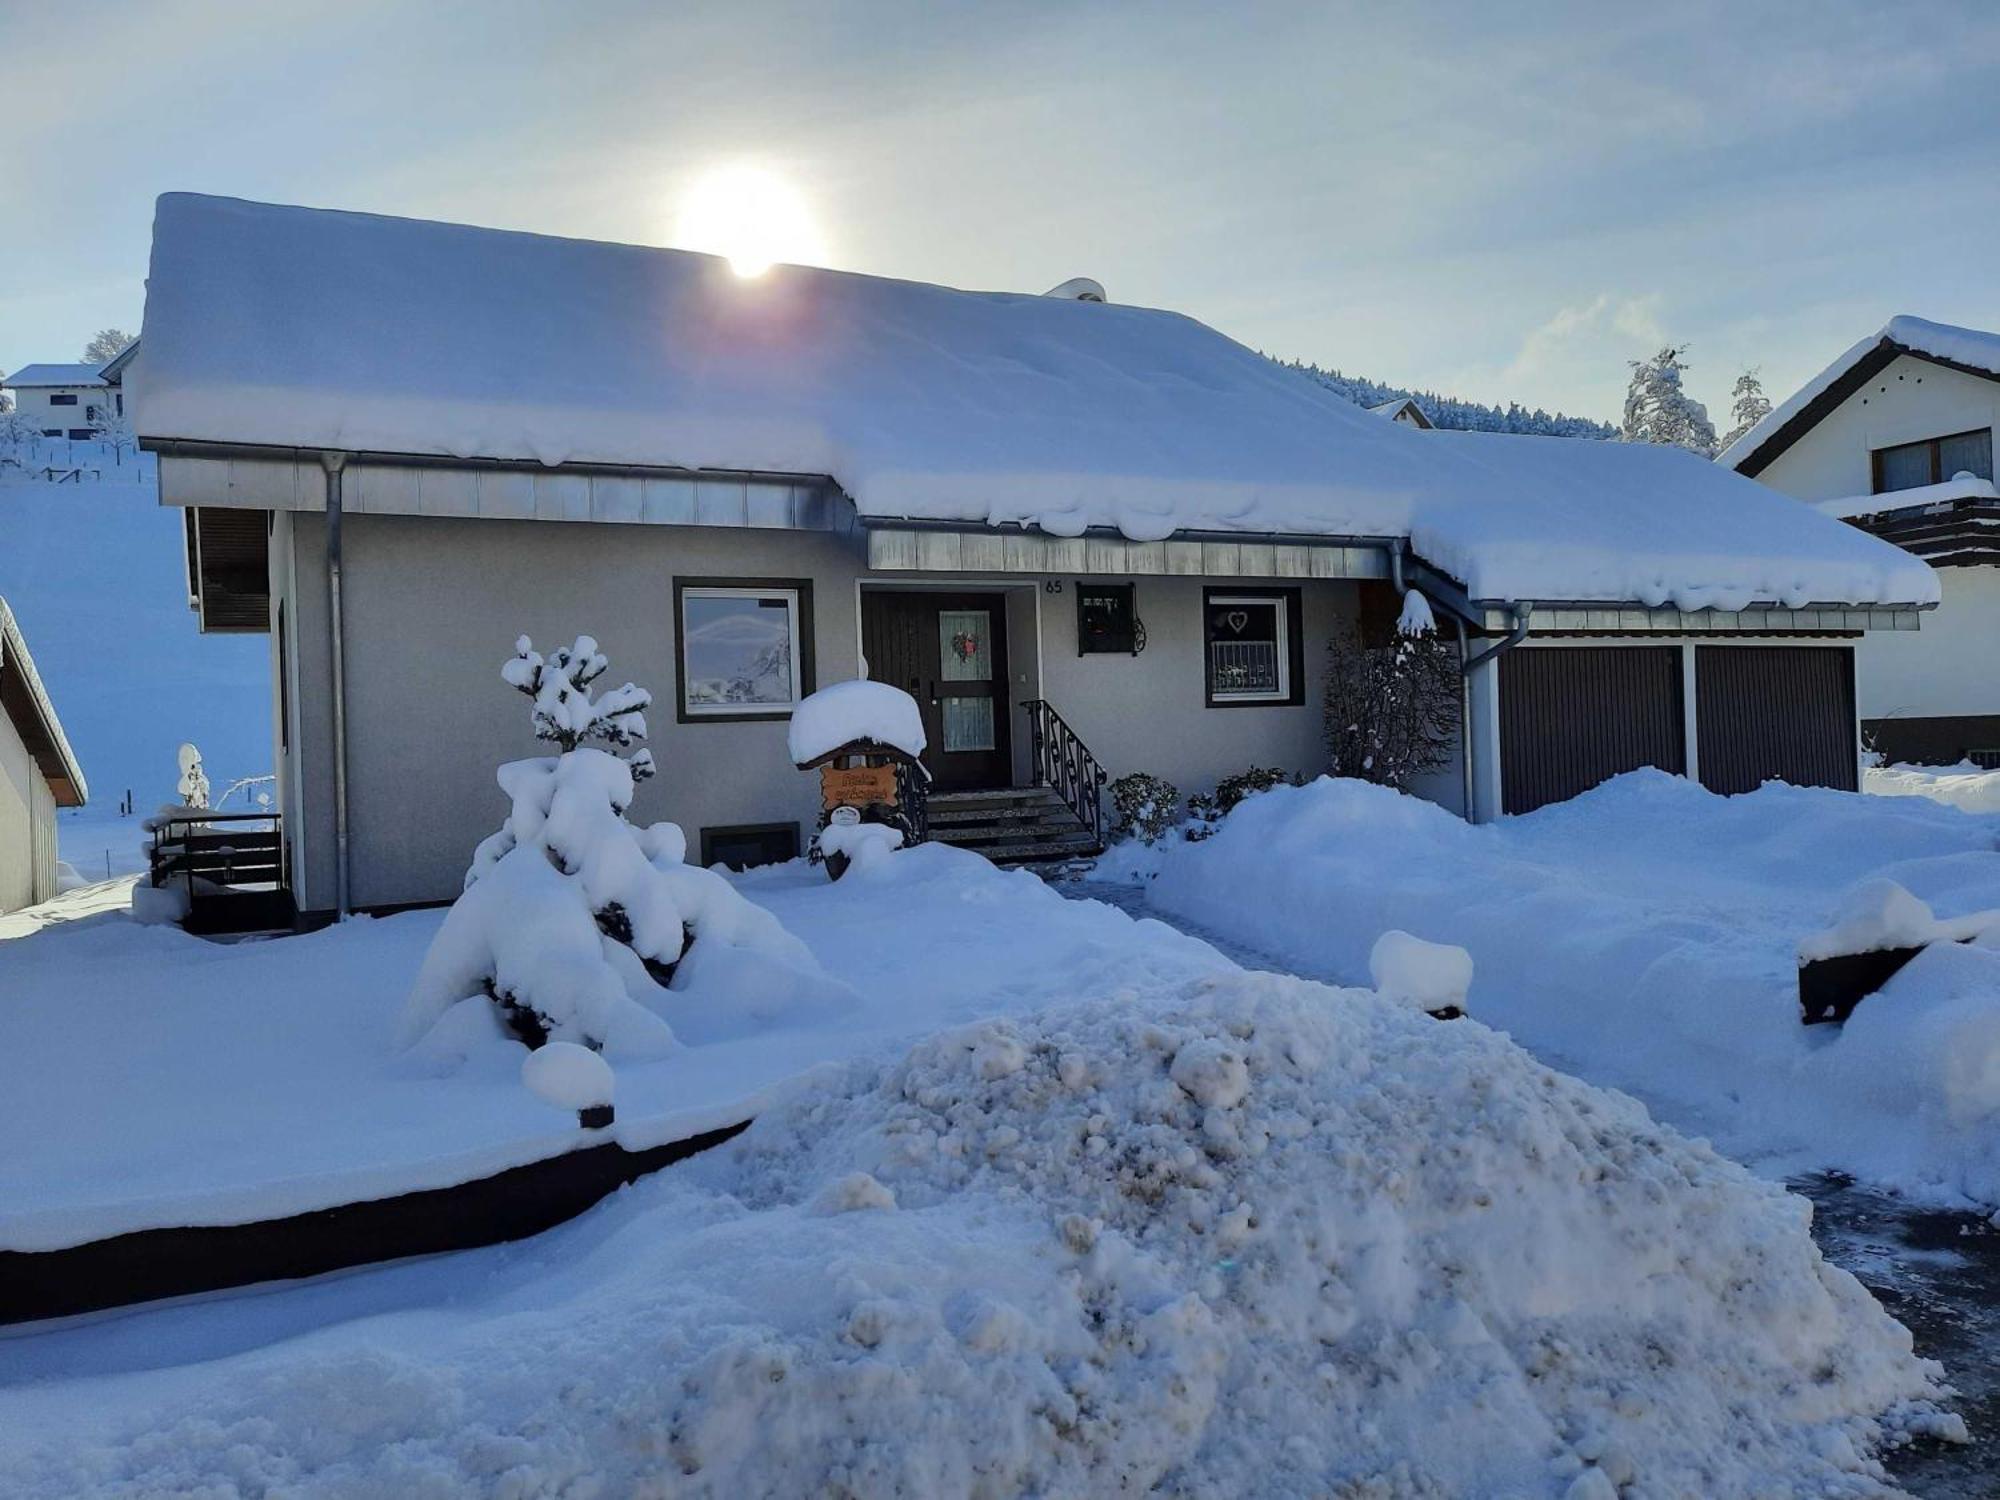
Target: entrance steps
{"x":1011,"y":826}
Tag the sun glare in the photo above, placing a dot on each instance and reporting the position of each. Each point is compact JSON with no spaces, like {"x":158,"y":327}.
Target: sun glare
{"x":752,"y":217}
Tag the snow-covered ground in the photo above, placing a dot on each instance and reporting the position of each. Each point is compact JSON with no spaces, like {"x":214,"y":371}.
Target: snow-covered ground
{"x":203,"y":1083}
{"x":1161,"y":1224}
{"x":1966,"y":786}
{"x":1645,"y":936}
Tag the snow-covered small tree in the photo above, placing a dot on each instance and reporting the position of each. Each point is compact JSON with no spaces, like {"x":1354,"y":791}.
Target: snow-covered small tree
{"x":1658,"y":408}
{"x":1749,"y":407}
{"x":574,"y":920}
{"x":1392,"y":706}
{"x":106,"y":345}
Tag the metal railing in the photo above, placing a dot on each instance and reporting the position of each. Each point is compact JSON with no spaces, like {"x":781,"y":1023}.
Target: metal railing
{"x":913,"y":792}
{"x":1064,"y":763}
{"x":193,"y":846}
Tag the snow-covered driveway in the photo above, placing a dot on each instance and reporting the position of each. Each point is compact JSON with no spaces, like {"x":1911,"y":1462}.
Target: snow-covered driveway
{"x":1644,"y":936}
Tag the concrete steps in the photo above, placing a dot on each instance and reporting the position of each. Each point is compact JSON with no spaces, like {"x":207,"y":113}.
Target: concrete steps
{"x":1012,"y":825}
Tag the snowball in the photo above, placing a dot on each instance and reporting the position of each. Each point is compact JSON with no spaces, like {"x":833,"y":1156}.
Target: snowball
{"x":1874,"y":914}
{"x":1212,"y":1073}
{"x":860,"y":710}
{"x":1428,"y":976}
{"x":568,"y":1076}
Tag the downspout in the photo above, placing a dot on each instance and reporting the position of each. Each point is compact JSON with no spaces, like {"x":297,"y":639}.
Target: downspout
{"x":1523,"y":613}
{"x":333,"y":463}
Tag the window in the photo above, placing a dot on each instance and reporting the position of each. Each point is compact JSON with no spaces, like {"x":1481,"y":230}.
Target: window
{"x":1908,"y":465}
{"x":120,"y":399}
{"x":1252,"y":642}
{"x":83,"y":434}
{"x":65,"y":398}
{"x":51,"y":432}
{"x":753,"y":844}
{"x":1106,"y":619}
{"x":745,"y":647}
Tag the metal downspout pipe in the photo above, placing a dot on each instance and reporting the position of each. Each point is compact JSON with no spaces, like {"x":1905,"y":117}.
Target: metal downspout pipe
{"x":1524,"y":614}
{"x":333,"y":463}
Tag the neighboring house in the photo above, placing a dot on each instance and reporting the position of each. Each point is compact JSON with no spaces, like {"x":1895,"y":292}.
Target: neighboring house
{"x":1896,"y":437}
{"x":1061,"y":523}
{"x":38,"y":774}
{"x":1405,"y":410}
{"x":69,"y":401}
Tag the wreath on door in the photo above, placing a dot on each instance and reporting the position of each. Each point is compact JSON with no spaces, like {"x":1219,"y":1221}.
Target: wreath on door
{"x":965,"y":645}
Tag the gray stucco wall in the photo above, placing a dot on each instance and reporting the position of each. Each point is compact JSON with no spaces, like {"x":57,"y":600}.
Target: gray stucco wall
{"x":27,"y":826}
{"x":433,"y":606}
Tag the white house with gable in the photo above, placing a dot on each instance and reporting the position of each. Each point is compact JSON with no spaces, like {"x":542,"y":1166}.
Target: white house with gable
{"x":1896,"y":437}
{"x":70,"y":401}
{"x":1088,"y":538}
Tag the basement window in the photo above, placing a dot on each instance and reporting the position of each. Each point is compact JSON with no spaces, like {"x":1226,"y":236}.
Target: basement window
{"x":1251,"y":644}
{"x":748,"y":845}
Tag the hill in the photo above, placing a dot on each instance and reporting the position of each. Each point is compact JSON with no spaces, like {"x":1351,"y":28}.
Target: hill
{"x":1449,"y":411}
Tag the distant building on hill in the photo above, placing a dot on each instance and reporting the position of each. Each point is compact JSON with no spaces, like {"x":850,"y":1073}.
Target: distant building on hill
{"x":71,"y":401}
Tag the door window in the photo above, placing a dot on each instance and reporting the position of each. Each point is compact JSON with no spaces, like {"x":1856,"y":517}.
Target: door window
{"x":965,"y":654}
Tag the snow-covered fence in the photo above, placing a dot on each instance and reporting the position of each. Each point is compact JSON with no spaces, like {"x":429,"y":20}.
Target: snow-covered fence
{"x":1878,"y":929}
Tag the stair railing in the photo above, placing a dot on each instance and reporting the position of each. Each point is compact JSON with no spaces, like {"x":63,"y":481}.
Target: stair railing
{"x":1064,"y":764}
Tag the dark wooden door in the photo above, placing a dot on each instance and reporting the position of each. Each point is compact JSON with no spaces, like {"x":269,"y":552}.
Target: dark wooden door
{"x":949,"y":652}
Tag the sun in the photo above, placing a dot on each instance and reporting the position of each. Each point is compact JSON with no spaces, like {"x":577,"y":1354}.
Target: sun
{"x":752,"y":217}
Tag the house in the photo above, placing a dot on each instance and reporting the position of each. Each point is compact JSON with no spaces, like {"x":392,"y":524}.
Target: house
{"x":38,"y":774}
{"x":1895,"y":437}
{"x":70,"y":401}
{"x":1088,"y":537}
{"x":1403,"y":409}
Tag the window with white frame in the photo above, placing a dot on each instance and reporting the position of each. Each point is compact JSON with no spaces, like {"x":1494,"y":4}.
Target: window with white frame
{"x":745,"y":648}
{"x":1248,"y":639}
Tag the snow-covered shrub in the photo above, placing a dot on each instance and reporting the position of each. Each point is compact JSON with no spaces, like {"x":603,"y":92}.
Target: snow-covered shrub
{"x":1391,"y":706}
{"x":1145,"y":806}
{"x":1210,"y":808}
{"x":573,"y":920}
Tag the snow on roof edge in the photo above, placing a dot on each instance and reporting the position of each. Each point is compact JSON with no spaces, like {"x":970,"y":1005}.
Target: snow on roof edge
{"x":1948,"y":341}
{"x":34,"y":376}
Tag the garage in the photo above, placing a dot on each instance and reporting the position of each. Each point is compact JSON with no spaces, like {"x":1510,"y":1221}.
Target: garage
{"x":1572,"y":716}
{"x":1775,"y":713}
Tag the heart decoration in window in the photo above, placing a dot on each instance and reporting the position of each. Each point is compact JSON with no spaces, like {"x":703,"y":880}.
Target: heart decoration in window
{"x":965,"y":645}
{"x":1236,"y":619}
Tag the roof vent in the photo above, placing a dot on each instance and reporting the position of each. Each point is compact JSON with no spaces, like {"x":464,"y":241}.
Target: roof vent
{"x":1078,"y":289}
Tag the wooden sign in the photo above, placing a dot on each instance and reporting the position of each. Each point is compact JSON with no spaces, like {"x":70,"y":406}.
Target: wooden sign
{"x":857,"y":786}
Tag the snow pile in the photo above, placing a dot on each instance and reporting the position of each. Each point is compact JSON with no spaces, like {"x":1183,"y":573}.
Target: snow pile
{"x":574,"y":921}
{"x":1969,"y":787}
{"x":1960,"y":486}
{"x":295,"y":327}
{"x":1416,"y":617}
{"x":1245,"y":1236}
{"x":844,"y":712}
{"x":1431,"y":977}
{"x":1880,"y":914}
{"x":1646,"y":936}
{"x":568,"y":1076}
{"x":1961,"y":346}
{"x":864,"y":844}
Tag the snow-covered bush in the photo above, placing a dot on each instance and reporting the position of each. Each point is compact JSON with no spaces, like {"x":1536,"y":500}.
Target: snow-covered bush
{"x":1392,"y":706}
{"x":573,"y":920}
{"x":1145,"y":805}
{"x":1210,"y":808}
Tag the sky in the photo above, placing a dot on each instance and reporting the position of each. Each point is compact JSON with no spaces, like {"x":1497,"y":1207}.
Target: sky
{"x":1495,"y":202}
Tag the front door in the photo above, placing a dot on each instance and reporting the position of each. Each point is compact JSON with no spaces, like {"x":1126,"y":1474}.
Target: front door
{"x":949,"y":652}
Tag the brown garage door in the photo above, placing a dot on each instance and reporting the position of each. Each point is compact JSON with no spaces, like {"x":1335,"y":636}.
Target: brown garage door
{"x":1783,"y":713}
{"x":1571,"y":716}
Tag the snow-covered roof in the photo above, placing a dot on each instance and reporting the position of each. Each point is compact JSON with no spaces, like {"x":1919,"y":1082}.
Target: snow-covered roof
{"x":1961,"y":487}
{"x":114,"y":367}
{"x":304,"y":328}
{"x":25,"y":702}
{"x":1970,"y":349}
{"x":46,"y":375}
{"x":845,"y":712}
